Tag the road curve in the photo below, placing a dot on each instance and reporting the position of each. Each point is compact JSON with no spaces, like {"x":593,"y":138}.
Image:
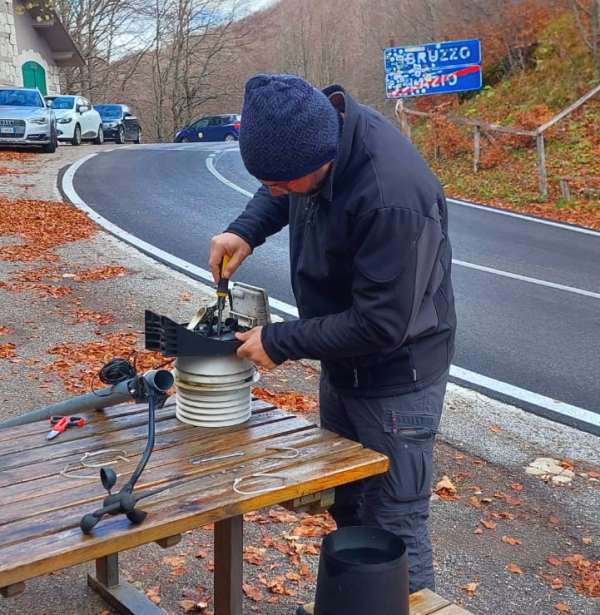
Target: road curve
{"x":528,"y":293}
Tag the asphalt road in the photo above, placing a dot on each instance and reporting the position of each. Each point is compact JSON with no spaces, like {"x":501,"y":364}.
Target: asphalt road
{"x":528,"y":293}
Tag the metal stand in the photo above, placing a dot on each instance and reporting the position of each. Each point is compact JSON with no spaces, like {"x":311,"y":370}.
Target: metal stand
{"x":121,"y":596}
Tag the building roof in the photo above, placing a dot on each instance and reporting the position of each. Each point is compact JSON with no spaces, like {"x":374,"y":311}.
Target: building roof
{"x":64,"y":50}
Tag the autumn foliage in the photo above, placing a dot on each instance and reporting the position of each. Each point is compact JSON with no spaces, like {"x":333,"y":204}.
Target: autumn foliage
{"x":42,"y":225}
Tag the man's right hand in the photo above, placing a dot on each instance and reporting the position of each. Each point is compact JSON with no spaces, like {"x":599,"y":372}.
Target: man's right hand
{"x":234,"y":246}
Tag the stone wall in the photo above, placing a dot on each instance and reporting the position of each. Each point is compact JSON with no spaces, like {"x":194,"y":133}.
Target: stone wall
{"x":8,"y":45}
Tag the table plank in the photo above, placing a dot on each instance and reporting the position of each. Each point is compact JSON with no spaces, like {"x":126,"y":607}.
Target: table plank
{"x":176,"y":467}
{"x":51,"y":466}
{"x":452,"y":609}
{"x":426,"y":602}
{"x":49,"y":522}
{"x":195,"y":509}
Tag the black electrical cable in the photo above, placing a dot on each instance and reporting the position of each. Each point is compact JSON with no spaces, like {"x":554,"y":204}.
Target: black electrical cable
{"x":115,"y":371}
{"x":130,"y":484}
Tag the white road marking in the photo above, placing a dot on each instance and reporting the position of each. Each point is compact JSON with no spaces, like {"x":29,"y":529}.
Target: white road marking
{"x":210,"y":165}
{"x":511,"y":214}
{"x":467,"y":376}
{"x":524,"y":278}
{"x":579,"y":414}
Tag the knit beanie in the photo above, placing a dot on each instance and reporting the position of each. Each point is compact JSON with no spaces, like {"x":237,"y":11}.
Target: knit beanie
{"x":288,"y":129}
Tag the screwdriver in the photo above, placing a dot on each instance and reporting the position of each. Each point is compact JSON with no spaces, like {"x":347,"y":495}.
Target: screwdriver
{"x":222,"y":294}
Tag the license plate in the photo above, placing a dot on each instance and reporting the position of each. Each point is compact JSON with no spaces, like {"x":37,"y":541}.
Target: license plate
{"x":7,"y":130}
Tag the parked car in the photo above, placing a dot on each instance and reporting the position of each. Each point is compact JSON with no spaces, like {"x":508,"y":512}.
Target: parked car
{"x":26,"y":119}
{"x":119,"y":123}
{"x":211,"y":128}
{"x":76,"y":120}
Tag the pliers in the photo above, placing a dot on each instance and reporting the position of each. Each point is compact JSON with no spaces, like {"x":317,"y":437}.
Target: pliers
{"x":62,"y":423}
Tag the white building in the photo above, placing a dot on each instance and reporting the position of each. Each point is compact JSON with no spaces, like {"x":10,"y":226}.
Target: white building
{"x":33,"y":49}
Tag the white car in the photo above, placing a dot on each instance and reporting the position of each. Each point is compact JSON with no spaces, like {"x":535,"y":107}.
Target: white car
{"x":76,"y":119}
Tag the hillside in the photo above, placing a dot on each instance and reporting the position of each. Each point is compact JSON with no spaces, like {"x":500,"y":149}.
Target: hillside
{"x":561,"y":70}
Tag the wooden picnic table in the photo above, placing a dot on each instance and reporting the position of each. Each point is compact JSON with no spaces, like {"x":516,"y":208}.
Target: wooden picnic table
{"x":41,"y":508}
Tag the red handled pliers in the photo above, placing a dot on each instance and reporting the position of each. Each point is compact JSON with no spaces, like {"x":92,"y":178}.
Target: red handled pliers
{"x":62,"y":423}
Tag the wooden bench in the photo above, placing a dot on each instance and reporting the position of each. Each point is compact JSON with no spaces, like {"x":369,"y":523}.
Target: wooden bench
{"x":41,"y":509}
{"x":424,"y":602}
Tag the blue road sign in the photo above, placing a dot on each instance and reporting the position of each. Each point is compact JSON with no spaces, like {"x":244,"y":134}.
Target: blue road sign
{"x":434,"y":68}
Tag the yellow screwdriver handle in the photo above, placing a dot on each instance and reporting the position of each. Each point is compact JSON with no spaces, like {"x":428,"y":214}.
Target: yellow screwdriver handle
{"x":224,"y":263}
{"x":223,"y":286}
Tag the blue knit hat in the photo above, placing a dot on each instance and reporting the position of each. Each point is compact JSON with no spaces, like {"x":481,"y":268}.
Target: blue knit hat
{"x":288,"y":129}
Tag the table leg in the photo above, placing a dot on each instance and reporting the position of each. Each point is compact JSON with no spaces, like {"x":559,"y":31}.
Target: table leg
{"x":121,"y":596}
{"x":229,"y":542}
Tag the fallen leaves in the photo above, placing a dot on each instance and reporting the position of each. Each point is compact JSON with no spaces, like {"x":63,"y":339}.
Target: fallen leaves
{"x":556,"y":583}
{"x":153,"y":594}
{"x":562,"y":607}
{"x":43,"y":225}
{"x":252,"y":592}
{"x":446,"y":489}
{"x":509,"y":540}
{"x":315,"y":526}
{"x":96,"y":274}
{"x":288,"y":400}
{"x":514,"y":568}
{"x":586,"y":575}
{"x":7,"y":351}
{"x":254,"y":555}
{"x":488,"y":525}
{"x":79,"y":363}
{"x":190,"y":606}
{"x":470,"y":588}
{"x":281,"y":515}
{"x":4,"y":330}
{"x":14,"y":156}
{"x":98,"y":318}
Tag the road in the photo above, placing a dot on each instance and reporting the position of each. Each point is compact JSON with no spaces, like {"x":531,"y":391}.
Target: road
{"x":528,"y":292}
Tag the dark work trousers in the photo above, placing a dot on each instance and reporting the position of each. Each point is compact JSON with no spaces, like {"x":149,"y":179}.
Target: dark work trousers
{"x":403,"y":427}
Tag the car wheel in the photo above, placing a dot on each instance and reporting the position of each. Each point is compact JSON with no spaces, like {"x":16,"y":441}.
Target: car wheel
{"x":76,"y":140}
{"x":185,"y":140}
{"x":120,"y":138}
{"x":139,"y":137}
{"x":99,"y":140}
{"x":50,"y":148}
{"x":229,"y":137}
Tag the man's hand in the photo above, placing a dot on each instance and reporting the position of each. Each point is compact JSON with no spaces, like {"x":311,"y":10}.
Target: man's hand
{"x":253,"y":350}
{"x":235,"y":247}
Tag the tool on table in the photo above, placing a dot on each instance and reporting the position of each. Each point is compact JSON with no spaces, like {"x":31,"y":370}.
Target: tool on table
{"x":154,"y":386}
{"x":61,"y":423}
{"x":222,"y":293}
{"x":198,"y":460}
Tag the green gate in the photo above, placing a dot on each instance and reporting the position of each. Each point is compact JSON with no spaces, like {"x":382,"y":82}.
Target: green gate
{"x":34,"y":76}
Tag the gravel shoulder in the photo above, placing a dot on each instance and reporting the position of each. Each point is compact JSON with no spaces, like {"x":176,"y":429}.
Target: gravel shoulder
{"x":484,"y":448}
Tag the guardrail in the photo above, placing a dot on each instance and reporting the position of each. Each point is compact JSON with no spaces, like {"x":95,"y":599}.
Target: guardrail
{"x":402,"y":112}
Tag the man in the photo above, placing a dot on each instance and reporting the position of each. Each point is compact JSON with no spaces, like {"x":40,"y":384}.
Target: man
{"x":370,"y":267}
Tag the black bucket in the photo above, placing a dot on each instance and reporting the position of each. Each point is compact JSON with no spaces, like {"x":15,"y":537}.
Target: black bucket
{"x":362,"y":570}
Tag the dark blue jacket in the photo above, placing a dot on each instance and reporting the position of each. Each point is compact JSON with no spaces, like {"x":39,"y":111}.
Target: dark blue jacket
{"x":370,"y":263}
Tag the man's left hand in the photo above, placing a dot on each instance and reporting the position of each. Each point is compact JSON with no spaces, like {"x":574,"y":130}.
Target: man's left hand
{"x":253,"y":349}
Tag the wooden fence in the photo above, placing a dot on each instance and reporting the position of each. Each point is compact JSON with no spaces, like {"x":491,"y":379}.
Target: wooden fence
{"x":479,"y":126}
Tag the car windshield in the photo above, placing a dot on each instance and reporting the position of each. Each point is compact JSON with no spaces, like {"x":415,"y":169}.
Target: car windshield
{"x":20,"y":98}
{"x":63,"y":102}
{"x":109,"y":112}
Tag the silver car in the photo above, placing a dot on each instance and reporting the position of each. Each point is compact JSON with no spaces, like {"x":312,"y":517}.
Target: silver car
{"x":25,"y":119}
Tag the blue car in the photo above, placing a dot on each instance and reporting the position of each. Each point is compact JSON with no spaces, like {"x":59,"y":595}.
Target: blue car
{"x":211,"y":128}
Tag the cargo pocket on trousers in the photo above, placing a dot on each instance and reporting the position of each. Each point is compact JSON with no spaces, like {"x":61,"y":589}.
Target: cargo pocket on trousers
{"x":410,"y":441}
